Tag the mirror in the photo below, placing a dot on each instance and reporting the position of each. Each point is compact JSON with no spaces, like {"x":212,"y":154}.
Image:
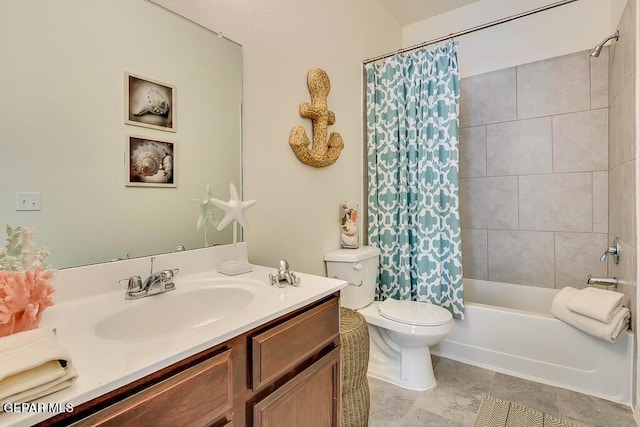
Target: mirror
{"x":64,"y":136}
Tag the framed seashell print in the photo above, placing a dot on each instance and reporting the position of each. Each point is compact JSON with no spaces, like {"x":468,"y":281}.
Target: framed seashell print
{"x":150,"y":162}
{"x":149,"y":103}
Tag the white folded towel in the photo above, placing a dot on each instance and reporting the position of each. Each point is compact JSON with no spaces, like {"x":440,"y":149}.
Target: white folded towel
{"x":598,"y":304}
{"x":32,"y":365}
{"x":609,"y":332}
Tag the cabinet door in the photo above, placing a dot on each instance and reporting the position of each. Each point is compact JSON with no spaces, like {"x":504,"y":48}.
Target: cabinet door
{"x":283,"y":347}
{"x":197,"y":396}
{"x":309,"y":399}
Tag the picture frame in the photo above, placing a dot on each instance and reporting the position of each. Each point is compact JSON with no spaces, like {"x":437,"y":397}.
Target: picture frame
{"x":149,"y":103}
{"x":150,"y":162}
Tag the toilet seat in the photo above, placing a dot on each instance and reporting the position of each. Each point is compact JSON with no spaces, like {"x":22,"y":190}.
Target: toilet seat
{"x":414,"y":312}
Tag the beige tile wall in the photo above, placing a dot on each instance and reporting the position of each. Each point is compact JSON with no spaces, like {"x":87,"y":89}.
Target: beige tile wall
{"x":622,"y":154}
{"x":519,"y":147}
{"x":493,"y":100}
{"x":521,"y":257}
{"x":534,"y":162}
{"x":554,"y":86}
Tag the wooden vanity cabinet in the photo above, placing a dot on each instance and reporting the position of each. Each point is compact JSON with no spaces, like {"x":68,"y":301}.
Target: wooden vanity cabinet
{"x":284,"y":373}
{"x":281,"y":347}
{"x":295,"y":370}
{"x":199,"y":395}
{"x":309,"y":399}
{"x":199,"y":390}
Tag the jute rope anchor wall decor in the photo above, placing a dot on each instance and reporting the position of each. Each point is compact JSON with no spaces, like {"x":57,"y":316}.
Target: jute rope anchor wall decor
{"x":324,"y":152}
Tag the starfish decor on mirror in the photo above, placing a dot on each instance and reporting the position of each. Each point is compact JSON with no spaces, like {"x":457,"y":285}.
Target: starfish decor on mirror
{"x":207,"y":213}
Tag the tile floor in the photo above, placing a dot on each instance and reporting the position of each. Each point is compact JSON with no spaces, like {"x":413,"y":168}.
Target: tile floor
{"x":456,"y":399}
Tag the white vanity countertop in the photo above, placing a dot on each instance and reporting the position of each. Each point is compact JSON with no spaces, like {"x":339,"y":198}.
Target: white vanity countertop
{"x":106,"y":364}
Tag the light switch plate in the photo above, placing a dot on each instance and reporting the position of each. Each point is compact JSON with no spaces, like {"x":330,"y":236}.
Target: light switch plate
{"x":27,"y":201}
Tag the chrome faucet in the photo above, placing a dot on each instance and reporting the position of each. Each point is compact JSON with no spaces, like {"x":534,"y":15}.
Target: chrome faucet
{"x":604,"y":282}
{"x":156,"y":283}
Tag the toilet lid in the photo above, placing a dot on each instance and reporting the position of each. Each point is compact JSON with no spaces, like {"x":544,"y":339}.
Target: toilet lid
{"x":414,"y":312}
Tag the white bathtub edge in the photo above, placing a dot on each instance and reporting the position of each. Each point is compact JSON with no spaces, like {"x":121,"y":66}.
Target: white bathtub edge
{"x":479,"y":357}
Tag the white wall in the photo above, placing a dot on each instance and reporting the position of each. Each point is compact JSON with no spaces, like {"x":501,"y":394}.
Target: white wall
{"x":570,"y":28}
{"x":298,"y":206}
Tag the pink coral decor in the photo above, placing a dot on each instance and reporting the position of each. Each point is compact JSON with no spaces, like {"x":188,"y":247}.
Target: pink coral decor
{"x":24,"y":295}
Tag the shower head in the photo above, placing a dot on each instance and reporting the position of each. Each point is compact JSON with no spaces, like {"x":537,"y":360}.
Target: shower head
{"x":595,"y":52}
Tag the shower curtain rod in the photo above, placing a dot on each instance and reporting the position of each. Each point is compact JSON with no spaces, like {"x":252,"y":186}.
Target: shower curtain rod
{"x":471,"y":30}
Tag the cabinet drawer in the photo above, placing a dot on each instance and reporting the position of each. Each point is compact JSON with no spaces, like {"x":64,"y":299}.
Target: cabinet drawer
{"x":282,"y":347}
{"x":309,"y":399}
{"x":196,"y":396}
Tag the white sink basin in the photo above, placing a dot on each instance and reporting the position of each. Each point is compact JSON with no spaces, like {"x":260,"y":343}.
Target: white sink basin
{"x":194,"y":304}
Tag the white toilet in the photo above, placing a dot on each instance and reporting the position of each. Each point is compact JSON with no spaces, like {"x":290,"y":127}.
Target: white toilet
{"x":400,"y":331}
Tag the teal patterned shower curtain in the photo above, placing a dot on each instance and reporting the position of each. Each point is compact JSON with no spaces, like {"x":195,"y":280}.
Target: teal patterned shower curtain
{"x":412,"y":103}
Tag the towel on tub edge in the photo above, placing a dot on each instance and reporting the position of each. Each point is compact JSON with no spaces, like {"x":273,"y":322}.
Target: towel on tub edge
{"x":598,"y":304}
{"x":610,"y":331}
{"x":32,"y":365}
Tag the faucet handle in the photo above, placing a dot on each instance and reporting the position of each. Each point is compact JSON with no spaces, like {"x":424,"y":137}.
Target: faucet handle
{"x":169,"y":274}
{"x":613,"y":250}
{"x":134,"y":283}
{"x":166,"y":279}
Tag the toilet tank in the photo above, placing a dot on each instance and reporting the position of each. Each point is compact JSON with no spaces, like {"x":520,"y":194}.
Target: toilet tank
{"x":359,"y":267}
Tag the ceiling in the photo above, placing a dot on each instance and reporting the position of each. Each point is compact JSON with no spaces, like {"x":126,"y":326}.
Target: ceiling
{"x":409,"y":11}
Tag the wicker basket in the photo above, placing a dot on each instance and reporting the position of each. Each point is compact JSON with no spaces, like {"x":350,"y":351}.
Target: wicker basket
{"x":354,"y":359}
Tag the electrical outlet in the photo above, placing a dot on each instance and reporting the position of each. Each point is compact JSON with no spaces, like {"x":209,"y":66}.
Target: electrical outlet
{"x":27,"y":201}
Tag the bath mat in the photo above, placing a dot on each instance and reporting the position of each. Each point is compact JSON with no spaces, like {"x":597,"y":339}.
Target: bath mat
{"x":495,"y":412}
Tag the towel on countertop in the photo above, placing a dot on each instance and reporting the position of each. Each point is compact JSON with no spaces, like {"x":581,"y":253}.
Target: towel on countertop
{"x":609,"y":332}
{"x":598,"y":304}
{"x":32,"y":365}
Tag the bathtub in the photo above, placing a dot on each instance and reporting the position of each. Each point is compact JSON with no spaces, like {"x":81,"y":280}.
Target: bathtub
{"x":510,"y":329}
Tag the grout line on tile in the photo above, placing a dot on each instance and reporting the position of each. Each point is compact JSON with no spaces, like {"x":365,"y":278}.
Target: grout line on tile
{"x":516,"y":93}
{"x":593,"y":202}
{"x":487,"y":252}
{"x":542,"y":173}
{"x":486,"y":151}
{"x":493,"y":378}
{"x":590,"y":80}
{"x":553,"y":144}
{"x":518,"y":202}
{"x":554,"y":252}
